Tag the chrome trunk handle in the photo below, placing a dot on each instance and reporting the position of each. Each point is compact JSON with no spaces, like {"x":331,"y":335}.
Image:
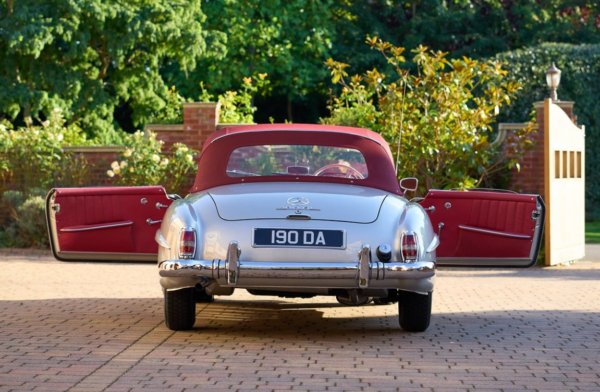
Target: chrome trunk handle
{"x":149,"y":221}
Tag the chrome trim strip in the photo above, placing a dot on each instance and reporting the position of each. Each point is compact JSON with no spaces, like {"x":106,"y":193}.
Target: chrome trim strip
{"x":482,"y":261}
{"x":538,"y":232}
{"x":160,"y":240}
{"x":435,"y":242}
{"x":96,"y":227}
{"x":107,"y":256}
{"x":308,"y":274}
{"x":493,"y":232}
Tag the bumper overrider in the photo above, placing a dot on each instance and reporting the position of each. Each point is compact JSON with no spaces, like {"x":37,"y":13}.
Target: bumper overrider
{"x":365,"y":273}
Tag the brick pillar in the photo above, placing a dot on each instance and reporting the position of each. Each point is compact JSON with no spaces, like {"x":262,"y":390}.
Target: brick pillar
{"x":530,"y":178}
{"x":200,"y":120}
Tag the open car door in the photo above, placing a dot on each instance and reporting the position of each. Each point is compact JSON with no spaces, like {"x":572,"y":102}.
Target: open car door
{"x":486,"y":229}
{"x":107,"y":223}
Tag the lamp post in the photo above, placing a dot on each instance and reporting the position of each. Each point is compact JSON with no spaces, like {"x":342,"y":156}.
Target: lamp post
{"x":553,"y":80}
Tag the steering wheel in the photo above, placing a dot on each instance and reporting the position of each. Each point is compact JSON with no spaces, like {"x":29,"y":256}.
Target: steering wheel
{"x":355,"y":173}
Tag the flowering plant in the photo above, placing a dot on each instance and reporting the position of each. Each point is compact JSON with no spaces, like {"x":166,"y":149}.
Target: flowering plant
{"x":143,"y":163}
{"x":33,"y":157}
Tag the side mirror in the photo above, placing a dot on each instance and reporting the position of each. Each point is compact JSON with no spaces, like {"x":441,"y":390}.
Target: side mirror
{"x":409,"y":184}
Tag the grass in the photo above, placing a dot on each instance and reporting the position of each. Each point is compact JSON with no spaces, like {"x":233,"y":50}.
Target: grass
{"x":592,"y":232}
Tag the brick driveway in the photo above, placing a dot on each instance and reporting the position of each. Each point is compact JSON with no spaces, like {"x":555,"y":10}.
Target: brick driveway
{"x":93,"y":327}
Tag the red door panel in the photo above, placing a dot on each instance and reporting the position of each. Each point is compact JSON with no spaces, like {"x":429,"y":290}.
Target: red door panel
{"x":479,"y":228}
{"x":108,"y":223}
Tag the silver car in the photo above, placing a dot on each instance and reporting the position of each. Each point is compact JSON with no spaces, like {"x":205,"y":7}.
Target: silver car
{"x":297,"y":211}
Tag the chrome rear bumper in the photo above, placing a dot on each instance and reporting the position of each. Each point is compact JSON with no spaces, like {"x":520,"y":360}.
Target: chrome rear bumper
{"x":360,"y":274}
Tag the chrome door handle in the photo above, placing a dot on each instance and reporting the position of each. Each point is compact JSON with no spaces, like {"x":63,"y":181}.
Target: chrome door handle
{"x":159,"y":206}
{"x":440,"y":227}
{"x":149,"y":221}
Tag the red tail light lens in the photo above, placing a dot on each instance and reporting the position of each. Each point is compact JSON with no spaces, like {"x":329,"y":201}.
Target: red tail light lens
{"x":187,"y":243}
{"x":409,"y":246}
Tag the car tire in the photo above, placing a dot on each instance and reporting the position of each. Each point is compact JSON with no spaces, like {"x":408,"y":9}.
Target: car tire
{"x":180,"y":309}
{"x":414,"y":311}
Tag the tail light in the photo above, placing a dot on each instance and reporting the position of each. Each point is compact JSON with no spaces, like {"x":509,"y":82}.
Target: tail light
{"x":187,"y":243}
{"x":409,"y":247}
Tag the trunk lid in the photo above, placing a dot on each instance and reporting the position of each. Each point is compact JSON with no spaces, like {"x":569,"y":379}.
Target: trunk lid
{"x":332,"y":202}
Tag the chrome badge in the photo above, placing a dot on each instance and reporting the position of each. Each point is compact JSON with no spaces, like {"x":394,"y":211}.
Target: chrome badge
{"x":297,"y":201}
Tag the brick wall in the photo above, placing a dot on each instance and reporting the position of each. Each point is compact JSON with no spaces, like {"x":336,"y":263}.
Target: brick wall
{"x":530,"y":178}
{"x":99,"y":159}
{"x":200,"y":120}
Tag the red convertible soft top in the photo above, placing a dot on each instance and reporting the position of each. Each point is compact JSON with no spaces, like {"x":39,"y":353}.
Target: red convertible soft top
{"x":219,"y":146}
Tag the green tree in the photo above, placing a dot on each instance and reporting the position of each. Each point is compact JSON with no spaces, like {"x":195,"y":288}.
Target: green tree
{"x":476,"y":28}
{"x":285,"y":39}
{"x":438,"y":118}
{"x":580,"y":82}
{"x":92,"y":57}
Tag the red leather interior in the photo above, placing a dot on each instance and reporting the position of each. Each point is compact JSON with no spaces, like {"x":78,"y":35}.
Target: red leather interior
{"x":494,"y":224}
{"x":109,"y":219}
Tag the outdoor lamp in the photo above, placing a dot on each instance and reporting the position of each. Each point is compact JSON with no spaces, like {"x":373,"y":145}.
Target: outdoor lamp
{"x":553,"y":80}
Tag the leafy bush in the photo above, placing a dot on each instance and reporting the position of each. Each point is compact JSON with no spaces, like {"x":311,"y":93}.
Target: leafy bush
{"x":33,"y":157}
{"x":237,"y":106}
{"x":580,"y":82}
{"x":143,"y":163}
{"x":27,"y":228}
{"x":438,"y":118}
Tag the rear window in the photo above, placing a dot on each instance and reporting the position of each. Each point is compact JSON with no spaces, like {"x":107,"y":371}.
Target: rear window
{"x":296,"y":160}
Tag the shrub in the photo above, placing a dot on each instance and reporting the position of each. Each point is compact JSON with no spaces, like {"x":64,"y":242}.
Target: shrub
{"x":143,"y":163}
{"x":33,"y":157}
{"x":27,"y":227}
{"x":580,"y":82}
{"x":438,"y":118}
{"x":237,"y":106}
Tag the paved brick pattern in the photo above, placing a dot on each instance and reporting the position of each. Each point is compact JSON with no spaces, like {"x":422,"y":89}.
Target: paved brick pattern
{"x":93,"y":327}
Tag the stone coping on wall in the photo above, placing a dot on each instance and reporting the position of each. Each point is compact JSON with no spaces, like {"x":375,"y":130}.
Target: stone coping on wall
{"x":503,"y":127}
{"x":202,"y":105}
{"x":94,"y":149}
{"x":164,"y":127}
{"x":562,"y":104}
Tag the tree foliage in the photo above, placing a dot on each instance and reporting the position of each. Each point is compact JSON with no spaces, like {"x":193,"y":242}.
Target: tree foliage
{"x":580,"y":82}
{"x":478,"y":28}
{"x":438,"y":118}
{"x":285,"y":39}
{"x":91,"y":57}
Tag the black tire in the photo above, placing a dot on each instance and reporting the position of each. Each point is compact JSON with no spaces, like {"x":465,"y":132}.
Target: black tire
{"x":180,"y":309}
{"x":414,"y":311}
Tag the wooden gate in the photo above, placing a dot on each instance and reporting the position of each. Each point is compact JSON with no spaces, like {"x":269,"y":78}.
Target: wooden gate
{"x":564,"y":162}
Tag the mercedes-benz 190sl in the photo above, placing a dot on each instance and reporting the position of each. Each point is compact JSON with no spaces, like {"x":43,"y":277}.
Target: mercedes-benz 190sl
{"x":297,"y":211}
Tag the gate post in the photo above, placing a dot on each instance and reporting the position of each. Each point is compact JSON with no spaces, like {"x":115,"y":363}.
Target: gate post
{"x":564,"y":183}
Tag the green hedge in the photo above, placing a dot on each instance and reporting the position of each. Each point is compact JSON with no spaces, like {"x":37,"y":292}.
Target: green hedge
{"x":580,"y":82}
